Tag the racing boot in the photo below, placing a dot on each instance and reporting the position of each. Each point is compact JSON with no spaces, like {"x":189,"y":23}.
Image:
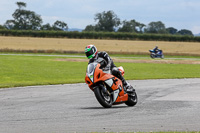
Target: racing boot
{"x":127,"y":87}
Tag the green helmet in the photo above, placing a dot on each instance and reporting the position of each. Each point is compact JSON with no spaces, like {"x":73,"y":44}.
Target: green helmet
{"x":90,"y":51}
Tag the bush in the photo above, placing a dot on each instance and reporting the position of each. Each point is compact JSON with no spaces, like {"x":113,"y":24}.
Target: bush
{"x":99,"y":35}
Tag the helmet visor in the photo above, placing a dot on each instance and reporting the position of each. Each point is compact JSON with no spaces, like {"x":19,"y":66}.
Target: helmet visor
{"x":89,"y":54}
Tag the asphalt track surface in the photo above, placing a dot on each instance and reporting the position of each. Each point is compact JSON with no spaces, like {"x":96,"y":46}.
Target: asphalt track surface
{"x":164,"y":105}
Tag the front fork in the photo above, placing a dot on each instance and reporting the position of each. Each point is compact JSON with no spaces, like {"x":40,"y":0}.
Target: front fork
{"x":108,"y":92}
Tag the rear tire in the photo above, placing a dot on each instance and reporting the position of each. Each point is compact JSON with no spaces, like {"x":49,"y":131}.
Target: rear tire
{"x":132,"y":99}
{"x":104,"y":99}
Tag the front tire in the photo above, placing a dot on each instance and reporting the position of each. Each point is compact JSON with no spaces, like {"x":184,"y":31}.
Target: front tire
{"x":104,"y":99}
{"x":152,"y":56}
{"x":132,"y":99}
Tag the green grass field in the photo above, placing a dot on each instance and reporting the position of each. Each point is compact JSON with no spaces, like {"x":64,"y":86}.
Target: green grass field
{"x":29,"y":70}
{"x":35,"y":70}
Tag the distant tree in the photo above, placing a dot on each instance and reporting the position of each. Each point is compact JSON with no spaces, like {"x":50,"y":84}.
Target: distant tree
{"x":46,"y":27}
{"x":140,"y":26}
{"x":185,"y":32}
{"x":128,"y":26}
{"x":89,"y":28}
{"x":21,"y":4}
{"x":156,"y":27}
{"x":2,"y":27}
{"x":131,"y":26}
{"x":59,"y":25}
{"x":24,"y":19}
{"x":171,"y":30}
{"x":9,"y":24}
{"x":107,"y":21}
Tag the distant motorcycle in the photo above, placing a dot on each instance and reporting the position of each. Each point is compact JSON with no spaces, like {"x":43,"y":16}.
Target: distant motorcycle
{"x":159,"y":54}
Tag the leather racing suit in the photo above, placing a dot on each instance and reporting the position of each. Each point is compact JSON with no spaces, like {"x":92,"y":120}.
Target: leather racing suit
{"x":108,"y":62}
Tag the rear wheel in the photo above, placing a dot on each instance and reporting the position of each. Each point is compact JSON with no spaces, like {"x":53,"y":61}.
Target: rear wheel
{"x":132,"y":99}
{"x":104,"y":98}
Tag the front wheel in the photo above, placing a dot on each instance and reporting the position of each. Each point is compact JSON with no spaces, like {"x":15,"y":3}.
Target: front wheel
{"x":152,"y":56}
{"x":104,"y":98}
{"x":132,"y":99}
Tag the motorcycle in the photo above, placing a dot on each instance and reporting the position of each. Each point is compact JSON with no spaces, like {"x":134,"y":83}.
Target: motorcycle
{"x":107,"y":88}
{"x":159,"y":54}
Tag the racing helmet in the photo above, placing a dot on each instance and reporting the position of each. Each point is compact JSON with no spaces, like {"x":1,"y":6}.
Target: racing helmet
{"x":90,"y":51}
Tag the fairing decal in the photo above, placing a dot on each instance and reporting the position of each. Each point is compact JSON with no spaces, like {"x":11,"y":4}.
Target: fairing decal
{"x":109,"y":82}
{"x":115,"y":95}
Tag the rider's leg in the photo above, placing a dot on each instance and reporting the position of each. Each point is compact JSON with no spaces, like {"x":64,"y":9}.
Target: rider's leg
{"x":117,"y":73}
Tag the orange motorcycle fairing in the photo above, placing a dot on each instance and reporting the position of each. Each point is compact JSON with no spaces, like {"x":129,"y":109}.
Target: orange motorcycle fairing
{"x":98,"y":75}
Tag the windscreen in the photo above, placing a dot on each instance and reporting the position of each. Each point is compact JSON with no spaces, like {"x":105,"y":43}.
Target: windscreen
{"x":90,"y":68}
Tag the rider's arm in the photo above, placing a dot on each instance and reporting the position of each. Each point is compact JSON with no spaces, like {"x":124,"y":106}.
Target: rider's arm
{"x":90,"y":61}
{"x":106,"y":57}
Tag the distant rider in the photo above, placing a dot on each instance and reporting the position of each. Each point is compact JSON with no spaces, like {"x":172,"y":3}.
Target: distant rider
{"x":155,"y":50}
{"x":92,"y":54}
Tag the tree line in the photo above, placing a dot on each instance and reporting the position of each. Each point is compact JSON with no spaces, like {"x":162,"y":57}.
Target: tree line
{"x":29,"y":20}
{"x":107,"y":21}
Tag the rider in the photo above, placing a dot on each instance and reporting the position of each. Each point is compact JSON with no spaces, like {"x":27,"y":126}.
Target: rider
{"x":92,"y":54}
{"x":155,"y":50}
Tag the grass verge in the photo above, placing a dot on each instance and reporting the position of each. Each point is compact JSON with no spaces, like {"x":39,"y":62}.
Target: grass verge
{"x":45,"y":70}
{"x":38,"y":70}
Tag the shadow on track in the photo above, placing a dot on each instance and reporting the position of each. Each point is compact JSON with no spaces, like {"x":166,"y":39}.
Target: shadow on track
{"x":113,"y":107}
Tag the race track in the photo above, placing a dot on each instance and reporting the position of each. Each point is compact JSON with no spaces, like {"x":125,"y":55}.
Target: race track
{"x":164,"y":105}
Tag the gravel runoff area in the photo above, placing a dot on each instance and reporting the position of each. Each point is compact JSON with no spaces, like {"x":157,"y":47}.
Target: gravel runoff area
{"x":164,"y":105}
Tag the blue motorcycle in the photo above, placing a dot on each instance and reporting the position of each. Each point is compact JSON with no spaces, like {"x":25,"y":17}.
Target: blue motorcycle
{"x":158,"y":54}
